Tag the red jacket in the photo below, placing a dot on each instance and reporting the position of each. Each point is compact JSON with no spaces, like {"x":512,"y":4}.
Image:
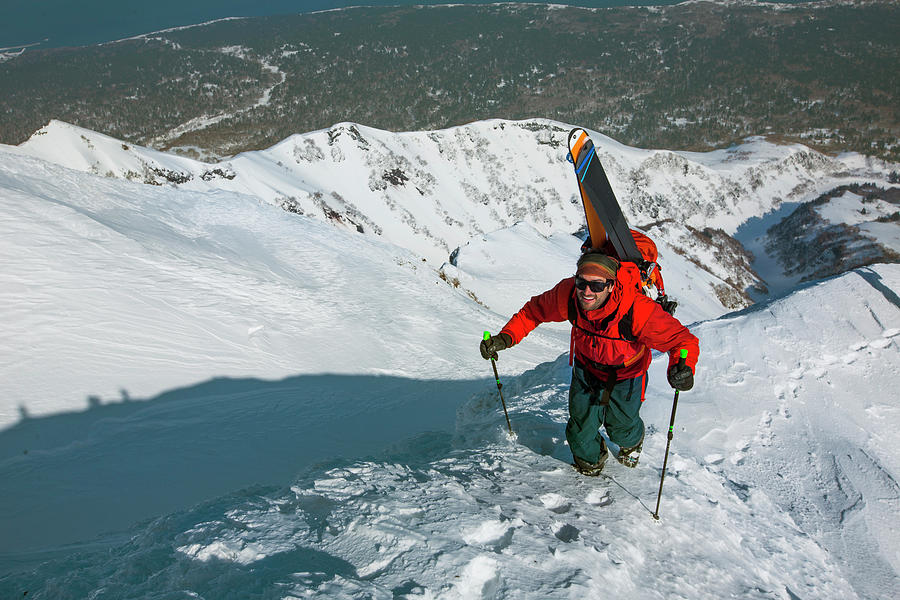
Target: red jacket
{"x":597,"y":341}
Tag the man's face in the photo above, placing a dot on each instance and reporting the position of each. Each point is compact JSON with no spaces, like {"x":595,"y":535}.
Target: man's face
{"x":588,"y":298}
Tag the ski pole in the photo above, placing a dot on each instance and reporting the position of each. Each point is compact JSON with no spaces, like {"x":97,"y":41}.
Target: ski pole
{"x":487,"y":336}
{"x":662,"y":477}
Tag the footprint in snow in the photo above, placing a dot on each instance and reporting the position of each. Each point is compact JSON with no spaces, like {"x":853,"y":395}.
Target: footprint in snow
{"x":887,"y":337}
{"x":737,"y":374}
{"x":881,"y":343}
{"x":566,"y":533}
{"x":713,"y":459}
{"x":738,"y":457}
{"x":851,"y":358}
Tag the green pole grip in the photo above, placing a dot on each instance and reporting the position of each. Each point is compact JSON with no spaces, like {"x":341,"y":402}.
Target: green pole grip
{"x":487,"y":336}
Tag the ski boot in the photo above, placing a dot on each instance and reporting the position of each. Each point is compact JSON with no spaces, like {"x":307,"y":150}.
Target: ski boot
{"x":590,"y":469}
{"x":630,"y":456}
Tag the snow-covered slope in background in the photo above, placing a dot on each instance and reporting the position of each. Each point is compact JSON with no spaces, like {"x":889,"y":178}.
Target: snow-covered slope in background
{"x":431,"y":192}
{"x":107,"y":277}
{"x":122,"y":302}
{"x":846,"y":228}
{"x":297,"y":410}
{"x":235,"y":282}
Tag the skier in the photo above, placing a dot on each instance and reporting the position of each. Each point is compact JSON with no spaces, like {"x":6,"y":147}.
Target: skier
{"x":613,"y":329}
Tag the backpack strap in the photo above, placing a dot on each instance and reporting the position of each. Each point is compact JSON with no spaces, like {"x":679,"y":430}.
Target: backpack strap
{"x":626,"y":333}
{"x":611,"y":380}
{"x":626,"y":323}
{"x":607,"y":386}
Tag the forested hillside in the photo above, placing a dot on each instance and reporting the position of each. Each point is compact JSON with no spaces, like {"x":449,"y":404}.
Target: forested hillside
{"x":691,"y":76}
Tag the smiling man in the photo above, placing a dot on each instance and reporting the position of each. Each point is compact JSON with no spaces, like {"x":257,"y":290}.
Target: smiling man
{"x":614,"y":326}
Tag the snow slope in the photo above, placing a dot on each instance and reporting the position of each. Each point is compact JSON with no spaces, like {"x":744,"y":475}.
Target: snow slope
{"x":768,"y":494}
{"x":798,"y":398}
{"x":203,"y":395}
{"x":123,"y":303}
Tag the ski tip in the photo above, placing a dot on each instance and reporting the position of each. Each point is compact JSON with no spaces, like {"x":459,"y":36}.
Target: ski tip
{"x":576,"y":135}
{"x":577,"y":140}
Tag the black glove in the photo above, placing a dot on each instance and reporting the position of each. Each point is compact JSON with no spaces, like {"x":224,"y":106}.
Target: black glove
{"x":681,"y":377}
{"x":494,"y":344}
{"x":667,"y":304}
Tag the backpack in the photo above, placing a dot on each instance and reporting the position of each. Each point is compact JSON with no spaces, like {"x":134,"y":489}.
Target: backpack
{"x":649,"y":268}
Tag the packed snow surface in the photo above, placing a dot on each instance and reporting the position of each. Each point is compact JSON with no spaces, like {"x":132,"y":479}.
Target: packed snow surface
{"x":205,"y":396}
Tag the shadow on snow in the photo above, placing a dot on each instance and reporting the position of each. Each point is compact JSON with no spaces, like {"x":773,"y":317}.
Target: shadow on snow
{"x":67,"y":477}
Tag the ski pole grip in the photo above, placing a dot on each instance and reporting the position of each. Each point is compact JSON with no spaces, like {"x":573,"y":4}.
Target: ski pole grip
{"x":487,"y":336}
{"x":681,"y":358}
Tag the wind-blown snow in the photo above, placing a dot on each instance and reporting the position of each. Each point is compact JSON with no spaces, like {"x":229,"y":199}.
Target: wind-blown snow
{"x":204,"y":395}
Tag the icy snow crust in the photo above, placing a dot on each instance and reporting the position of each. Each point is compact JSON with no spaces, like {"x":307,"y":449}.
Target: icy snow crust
{"x":206,"y":396}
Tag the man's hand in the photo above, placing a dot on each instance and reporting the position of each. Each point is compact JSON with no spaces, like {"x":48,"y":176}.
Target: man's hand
{"x":494,"y":344}
{"x":667,"y":304}
{"x":681,"y":377}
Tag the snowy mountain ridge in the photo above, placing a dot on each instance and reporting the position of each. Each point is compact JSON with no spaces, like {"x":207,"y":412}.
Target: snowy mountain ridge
{"x":431,"y":192}
{"x":204,"y":395}
{"x":848,"y":227}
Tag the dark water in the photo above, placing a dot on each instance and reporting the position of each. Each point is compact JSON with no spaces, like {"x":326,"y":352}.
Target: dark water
{"x":57,"y":23}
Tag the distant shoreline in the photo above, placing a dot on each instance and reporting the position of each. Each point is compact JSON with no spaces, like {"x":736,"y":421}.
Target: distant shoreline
{"x":170,"y":29}
{"x":62,"y":26}
{"x":20,"y":47}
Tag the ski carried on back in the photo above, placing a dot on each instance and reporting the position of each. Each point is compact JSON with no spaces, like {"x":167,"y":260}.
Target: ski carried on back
{"x":607,"y":228}
{"x":604,"y":216}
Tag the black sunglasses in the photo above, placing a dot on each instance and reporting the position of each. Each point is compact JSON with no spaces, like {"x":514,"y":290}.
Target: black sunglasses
{"x":596,"y":286}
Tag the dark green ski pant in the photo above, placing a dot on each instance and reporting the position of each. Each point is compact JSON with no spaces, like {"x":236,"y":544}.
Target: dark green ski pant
{"x":623,"y":424}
